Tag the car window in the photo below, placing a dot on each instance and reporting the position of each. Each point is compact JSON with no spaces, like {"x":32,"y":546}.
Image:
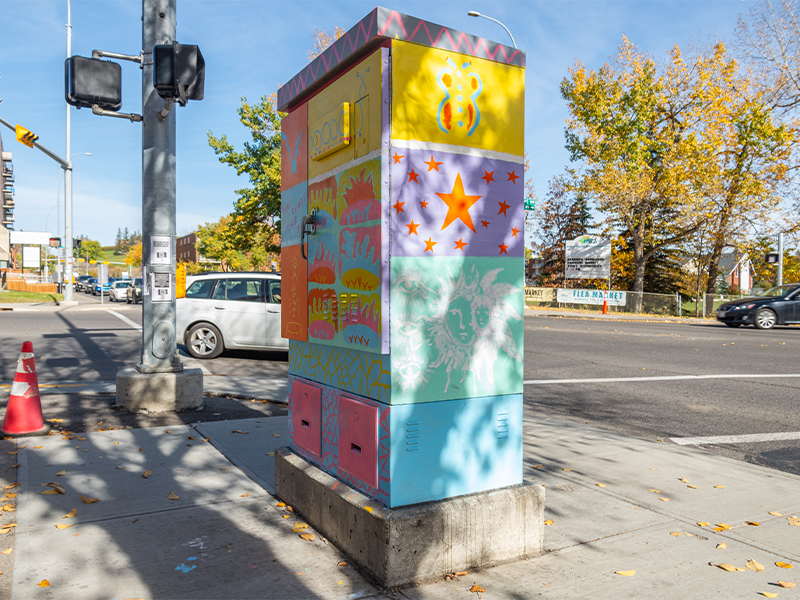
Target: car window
{"x":274,"y":291}
{"x":779,"y":291}
{"x":201,"y":289}
{"x":243,"y":290}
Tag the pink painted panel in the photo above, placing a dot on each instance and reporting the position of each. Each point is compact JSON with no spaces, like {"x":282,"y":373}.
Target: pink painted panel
{"x":306,"y":416}
{"x":358,"y":440}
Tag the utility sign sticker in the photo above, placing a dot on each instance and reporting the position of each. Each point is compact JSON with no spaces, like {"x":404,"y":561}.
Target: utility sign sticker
{"x":161,"y":287}
{"x":160,"y":250}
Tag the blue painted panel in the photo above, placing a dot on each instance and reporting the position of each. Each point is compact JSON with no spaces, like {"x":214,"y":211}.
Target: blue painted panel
{"x":455,"y":447}
{"x":294,"y":206}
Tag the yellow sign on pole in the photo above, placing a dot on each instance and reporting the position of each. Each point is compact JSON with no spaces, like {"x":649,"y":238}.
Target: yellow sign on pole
{"x":92,"y":262}
{"x":180,"y":281}
{"x":26,"y":137}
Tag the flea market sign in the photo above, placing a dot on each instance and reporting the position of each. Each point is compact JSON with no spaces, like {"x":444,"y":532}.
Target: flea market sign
{"x":588,"y":257}
{"x":591,"y":297}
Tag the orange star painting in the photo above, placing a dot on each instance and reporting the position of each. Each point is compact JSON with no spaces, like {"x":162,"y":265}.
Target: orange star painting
{"x":458,"y":203}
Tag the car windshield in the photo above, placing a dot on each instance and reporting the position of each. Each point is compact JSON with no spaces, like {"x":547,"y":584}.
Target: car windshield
{"x":779,"y":291}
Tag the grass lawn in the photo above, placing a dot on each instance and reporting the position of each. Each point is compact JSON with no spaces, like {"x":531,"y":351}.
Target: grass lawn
{"x":18,"y":297}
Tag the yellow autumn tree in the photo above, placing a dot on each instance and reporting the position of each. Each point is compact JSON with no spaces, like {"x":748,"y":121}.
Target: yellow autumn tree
{"x":134,"y":256}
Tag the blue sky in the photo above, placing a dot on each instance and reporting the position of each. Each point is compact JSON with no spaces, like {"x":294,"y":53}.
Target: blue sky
{"x":250,"y":48}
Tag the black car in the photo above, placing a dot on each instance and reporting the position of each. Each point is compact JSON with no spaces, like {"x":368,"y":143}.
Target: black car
{"x":777,"y":306}
{"x":134,"y":291}
{"x":89,"y":284}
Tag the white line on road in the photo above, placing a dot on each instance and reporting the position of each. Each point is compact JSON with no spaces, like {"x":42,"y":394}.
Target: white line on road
{"x":750,"y":438}
{"x":660,"y":378}
{"x":125,"y":319}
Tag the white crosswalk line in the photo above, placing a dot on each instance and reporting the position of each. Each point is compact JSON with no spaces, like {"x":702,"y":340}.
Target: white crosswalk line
{"x":749,"y":438}
{"x":661,"y":378}
{"x":125,"y":319}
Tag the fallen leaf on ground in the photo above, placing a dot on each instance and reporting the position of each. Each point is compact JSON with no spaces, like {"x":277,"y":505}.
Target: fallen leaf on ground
{"x":366,"y":508}
{"x":683,"y":480}
{"x":147,"y":473}
{"x":10,"y":550}
{"x":270,"y":454}
{"x":64,"y":472}
{"x":769,"y":594}
{"x":601,"y":485}
{"x":630,"y":573}
{"x":286,"y":516}
{"x":692,"y":487}
{"x":168,"y":431}
{"x":245,"y":495}
{"x":224,"y":469}
{"x":9,"y":525}
{"x":83,"y":439}
{"x":787,"y":584}
{"x":206,"y":439}
{"x":38,"y":447}
{"x":342,"y":564}
{"x":725,"y":526}
{"x":300,"y":525}
{"x":116,"y":443}
{"x":754,"y":566}
{"x":48,"y":492}
{"x":239,"y":431}
{"x":675,"y":533}
{"x":782,"y":565}
{"x":57,"y":488}
{"x":281,"y":504}
{"x":664,"y":499}
{"x":460,"y":573}
{"x":753,"y":523}
{"x":276,"y":435}
{"x":16,"y":466}
{"x":719,"y":487}
{"x":549,"y":522}
{"x":190,"y":437}
{"x":121,"y":468}
{"x":539,"y":466}
{"x":43,"y":583}
{"x":70,"y":514}
{"x":794,"y":521}
{"x":775,"y":514}
{"x":726,"y":567}
{"x":55,"y":420}
{"x":88,"y":500}
{"x":13,"y":452}
{"x":11,"y":495}
{"x":11,"y":485}
{"x":21,"y":447}
{"x":309,"y":537}
{"x":291,"y":510}
{"x":722,"y":546}
{"x":63,"y":525}
{"x":173,"y":496}
{"x":477,"y":589}
{"x":565,"y":469}
{"x":654,"y":491}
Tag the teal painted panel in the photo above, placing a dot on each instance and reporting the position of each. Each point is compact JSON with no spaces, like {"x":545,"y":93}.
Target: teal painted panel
{"x":363,"y":373}
{"x":457,"y":328}
{"x":447,"y":449}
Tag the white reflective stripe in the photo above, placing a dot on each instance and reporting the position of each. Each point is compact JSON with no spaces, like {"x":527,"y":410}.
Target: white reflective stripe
{"x":21,"y":368}
{"x":25,"y":355}
{"x":19,"y":388}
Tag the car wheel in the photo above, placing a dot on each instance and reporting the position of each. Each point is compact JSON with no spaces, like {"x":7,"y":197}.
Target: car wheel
{"x":128,"y":300}
{"x":205,"y":341}
{"x":733,"y":324}
{"x":765,"y":319}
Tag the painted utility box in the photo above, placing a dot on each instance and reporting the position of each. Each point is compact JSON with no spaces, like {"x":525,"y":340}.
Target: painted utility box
{"x":402,"y":260}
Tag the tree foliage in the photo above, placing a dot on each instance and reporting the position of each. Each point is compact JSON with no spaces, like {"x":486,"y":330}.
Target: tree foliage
{"x":90,"y":249}
{"x":133,"y":258}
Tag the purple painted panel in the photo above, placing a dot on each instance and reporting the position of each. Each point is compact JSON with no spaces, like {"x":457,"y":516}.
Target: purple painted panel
{"x":447,"y":204}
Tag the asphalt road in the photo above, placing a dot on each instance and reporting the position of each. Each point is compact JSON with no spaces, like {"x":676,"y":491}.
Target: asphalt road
{"x":710,"y":380}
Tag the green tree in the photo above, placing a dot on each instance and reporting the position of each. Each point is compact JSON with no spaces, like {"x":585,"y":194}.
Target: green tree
{"x":88,"y":247}
{"x":257,"y":208}
{"x":214,"y":242}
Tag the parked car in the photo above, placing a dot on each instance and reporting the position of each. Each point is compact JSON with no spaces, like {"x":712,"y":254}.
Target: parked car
{"x":777,"y":306}
{"x":96,"y":288}
{"x":134,"y":292}
{"x":80,"y":280}
{"x":119,"y":290}
{"x":230,"y":310}
{"x":88,"y":285}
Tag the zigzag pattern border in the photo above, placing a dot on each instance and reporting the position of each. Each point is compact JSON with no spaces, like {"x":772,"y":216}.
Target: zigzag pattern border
{"x":385,"y":24}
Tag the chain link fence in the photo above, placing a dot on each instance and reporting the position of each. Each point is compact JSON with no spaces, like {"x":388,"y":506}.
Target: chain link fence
{"x":617,"y":301}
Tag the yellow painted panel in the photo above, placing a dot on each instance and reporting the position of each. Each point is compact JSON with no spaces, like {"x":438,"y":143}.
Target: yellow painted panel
{"x":449,"y":98}
{"x":361,"y":81}
{"x":330,"y":133}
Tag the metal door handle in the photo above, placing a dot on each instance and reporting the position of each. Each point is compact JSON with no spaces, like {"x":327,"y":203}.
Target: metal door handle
{"x":307,"y":227}
{"x":219,"y":308}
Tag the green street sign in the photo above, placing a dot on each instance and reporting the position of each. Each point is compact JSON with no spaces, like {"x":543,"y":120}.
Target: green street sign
{"x":530,"y":204}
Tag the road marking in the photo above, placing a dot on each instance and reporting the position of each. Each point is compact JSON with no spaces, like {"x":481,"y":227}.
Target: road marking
{"x":750,"y":438}
{"x":193,"y":363}
{"x":125,"y":319}
{"x":660,"y":378}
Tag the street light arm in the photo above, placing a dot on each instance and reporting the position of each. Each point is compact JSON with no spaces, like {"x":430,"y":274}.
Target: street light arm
{"x":65,"y":164}
{"x":474,"y":13}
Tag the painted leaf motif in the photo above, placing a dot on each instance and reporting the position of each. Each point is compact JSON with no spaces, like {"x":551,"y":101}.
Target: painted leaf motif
{"x":630,"y":573}
{"x":754,"y":566}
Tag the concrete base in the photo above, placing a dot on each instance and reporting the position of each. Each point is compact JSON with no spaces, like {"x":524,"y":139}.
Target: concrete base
{"x":67,"y":303}
{"x":416,"y":543}
{"x":159,"y":392}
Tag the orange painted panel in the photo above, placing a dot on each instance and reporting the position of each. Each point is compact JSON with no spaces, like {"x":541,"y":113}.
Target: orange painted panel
{"x":294,"y":147}
{"x":294,"y":303}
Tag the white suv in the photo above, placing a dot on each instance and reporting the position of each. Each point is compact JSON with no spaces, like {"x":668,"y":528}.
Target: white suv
{"x":230,"y":310}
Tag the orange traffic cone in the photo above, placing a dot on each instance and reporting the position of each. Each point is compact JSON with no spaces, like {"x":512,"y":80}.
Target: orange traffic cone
{"x":24,"y":413}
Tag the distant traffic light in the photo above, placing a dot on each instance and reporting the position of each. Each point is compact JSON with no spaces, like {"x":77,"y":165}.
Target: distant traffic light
{"x":91,"y":81}
{"x":26,"y":137}
{"x":55,"y":242}
{"x":76,"y":242}
{"x":771,"y":258}
{"x":179,"y":72}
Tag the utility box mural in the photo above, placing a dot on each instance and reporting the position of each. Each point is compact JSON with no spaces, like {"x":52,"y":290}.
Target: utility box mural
{"x":402,"y":260}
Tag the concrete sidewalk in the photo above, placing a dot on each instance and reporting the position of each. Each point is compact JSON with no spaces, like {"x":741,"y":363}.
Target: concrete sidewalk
{"x":225,"y":537}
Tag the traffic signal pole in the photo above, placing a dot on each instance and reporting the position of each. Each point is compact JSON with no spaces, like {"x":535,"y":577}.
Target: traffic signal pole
{"x":68,"y":288}
{"x":159,"y":382}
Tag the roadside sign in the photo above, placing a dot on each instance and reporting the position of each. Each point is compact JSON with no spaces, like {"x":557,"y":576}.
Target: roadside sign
{"x":529,"y":204}
{"x":102,"y":274}
{"x":588,"y":257}
{"x":26,"y":137}
{"x":92,"y":262}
